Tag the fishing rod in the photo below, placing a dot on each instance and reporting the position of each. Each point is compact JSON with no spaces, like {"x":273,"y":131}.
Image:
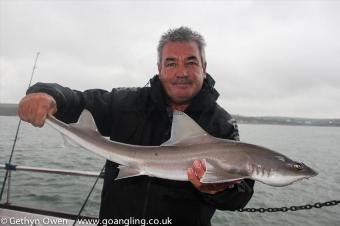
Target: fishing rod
{"x":9,"y":167}
{"x":8,"y":172}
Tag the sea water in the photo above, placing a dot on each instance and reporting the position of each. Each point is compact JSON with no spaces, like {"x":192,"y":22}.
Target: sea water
{"x":318,"y":147}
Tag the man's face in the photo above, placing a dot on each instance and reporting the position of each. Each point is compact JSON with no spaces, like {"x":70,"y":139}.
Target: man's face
{"x":181,"y":71}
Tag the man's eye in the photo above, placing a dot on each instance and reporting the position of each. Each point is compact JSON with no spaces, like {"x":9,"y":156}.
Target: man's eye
{"x":170,"y":64}
{"x":192,"y":63}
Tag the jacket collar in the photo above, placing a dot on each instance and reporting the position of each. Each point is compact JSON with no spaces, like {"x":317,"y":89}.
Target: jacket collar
{"x":206,"y":97}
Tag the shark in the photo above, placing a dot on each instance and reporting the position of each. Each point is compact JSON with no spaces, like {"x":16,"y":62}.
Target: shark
{"x":225,"y":160}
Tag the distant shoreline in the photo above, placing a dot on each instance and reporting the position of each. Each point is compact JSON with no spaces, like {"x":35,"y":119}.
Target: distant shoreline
{"x":11,"y":110}
{"x":272,"y":120}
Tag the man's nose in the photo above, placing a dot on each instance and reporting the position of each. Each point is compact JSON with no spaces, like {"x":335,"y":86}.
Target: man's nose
{"x":181,"y":71}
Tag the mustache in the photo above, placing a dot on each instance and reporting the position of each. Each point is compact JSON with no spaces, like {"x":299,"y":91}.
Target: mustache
{"x":182,"y":80}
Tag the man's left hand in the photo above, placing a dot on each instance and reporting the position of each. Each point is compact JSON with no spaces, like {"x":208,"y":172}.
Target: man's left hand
{"x":196,"y":172}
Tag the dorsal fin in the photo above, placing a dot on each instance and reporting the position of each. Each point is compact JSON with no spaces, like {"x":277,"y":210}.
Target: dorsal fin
{"x":185,"y":130}
{"x":86,"y":121}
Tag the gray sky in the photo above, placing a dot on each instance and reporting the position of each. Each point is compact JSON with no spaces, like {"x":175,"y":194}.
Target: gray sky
{"x":277,"y":58}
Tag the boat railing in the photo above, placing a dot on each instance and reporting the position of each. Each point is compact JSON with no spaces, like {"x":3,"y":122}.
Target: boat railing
{"x":10,"y":167}
{"x":50,"y":170}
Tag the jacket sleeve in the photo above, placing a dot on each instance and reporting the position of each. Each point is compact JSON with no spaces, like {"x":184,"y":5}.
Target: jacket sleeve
{"x":238,"y":196}
{"x":232,"y":198}
{"x":70,"y":104}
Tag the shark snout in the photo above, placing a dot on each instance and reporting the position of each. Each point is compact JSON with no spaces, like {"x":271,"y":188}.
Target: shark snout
{"x":310,"y":172}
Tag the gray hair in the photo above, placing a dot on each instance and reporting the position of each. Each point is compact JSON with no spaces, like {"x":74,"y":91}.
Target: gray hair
{"x":181,"y":34}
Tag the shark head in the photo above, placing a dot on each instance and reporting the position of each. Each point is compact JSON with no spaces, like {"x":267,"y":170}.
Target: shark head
{"x":294,"y":171}
{"x":281,"y":171}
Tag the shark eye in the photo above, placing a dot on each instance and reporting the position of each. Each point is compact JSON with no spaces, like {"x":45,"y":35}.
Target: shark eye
{"x":298,"y":166}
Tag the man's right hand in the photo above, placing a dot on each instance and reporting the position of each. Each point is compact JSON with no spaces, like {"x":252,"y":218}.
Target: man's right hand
{"x":35,"y":107}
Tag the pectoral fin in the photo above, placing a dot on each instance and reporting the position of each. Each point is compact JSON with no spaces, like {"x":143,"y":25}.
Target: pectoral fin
{"x":215,"y":174}
{"x":125,"y":172}
{"x":211,"y":178}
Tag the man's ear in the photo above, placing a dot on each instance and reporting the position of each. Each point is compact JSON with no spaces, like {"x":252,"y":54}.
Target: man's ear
{"x":159,"y":68}
{"x":205,"y":69}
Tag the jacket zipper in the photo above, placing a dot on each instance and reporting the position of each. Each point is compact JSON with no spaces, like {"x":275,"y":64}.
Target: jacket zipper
{"x":146,"y":199}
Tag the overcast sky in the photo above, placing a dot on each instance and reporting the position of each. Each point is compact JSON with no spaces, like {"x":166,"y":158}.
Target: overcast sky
{"x":277,"y":58}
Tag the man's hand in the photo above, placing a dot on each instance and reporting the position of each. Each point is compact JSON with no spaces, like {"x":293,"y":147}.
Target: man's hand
{"x":196,"y":173}
{"x":35,"y":107}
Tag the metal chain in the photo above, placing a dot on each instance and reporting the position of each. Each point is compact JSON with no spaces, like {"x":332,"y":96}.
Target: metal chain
{"x":291,"y":208}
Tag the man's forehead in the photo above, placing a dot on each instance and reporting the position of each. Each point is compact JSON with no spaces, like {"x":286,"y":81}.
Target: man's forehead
{"x":180,"y":49}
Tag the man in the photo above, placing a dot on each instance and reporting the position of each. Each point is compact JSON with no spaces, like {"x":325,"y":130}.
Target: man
{"x":143,"y":116}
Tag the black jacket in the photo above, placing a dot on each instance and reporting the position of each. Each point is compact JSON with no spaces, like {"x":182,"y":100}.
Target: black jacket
{"x":142,"y":116}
